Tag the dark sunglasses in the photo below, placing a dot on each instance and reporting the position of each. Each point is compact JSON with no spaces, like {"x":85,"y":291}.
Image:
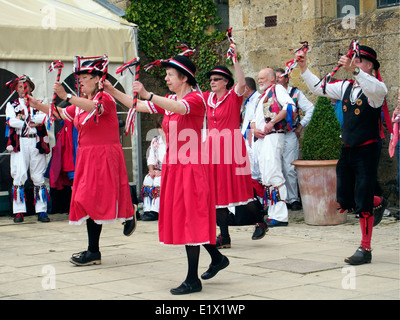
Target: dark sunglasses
{"x":215,"y":79}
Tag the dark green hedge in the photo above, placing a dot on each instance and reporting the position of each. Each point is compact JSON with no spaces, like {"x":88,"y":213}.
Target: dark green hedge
{"x":322,"y":139}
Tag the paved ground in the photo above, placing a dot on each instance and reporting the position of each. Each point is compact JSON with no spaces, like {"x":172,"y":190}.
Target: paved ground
{"x":295,"y":262}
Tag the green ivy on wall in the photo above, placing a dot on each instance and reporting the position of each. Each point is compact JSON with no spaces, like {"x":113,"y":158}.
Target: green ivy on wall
{"x":162,"y":22}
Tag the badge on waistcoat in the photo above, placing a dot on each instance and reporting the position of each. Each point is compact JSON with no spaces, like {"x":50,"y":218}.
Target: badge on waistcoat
{"x":17,"y":107}
{"x":268,"y":112}
{"x":359,"y":102}
{"x":357,"y":111}
{"x":270,"y":106}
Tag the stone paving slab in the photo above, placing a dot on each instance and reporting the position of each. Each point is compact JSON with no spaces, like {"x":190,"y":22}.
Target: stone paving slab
{"x":290,"y":263}
{"x":296,"y":265}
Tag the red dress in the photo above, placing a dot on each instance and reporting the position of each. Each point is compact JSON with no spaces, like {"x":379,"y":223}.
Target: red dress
{"x":227,"y":150}
{"x":101,"y":188}
{"x":187,"y":207}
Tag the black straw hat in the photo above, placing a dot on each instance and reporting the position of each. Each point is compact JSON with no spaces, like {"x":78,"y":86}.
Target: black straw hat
{"x":12,"y":84}
{"x":369,"y":54}
{"x":183,"y":65}
{"x":222,"y":71}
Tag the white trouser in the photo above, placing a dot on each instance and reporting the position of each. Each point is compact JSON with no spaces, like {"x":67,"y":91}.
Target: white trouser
{"x":151,"y":203}
{"x":290,"y":153}
{"x":28,"y":158}
{"x":270,"y":151}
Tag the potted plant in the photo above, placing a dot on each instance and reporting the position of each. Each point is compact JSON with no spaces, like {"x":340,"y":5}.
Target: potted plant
{"x":316,"y":171}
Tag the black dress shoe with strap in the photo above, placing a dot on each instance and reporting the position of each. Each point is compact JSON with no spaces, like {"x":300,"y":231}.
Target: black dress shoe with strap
{"x":19,"y":217}
{"x":186,"y":288}
{"x":129,"y":226}
{"x":361,"y":256}
{"x":85,"y":258}
{"x":214,"y":269}
{"x":259,"y":231}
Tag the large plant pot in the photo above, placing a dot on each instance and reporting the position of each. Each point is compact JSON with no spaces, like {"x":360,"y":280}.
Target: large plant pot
{"x":317,"y":184}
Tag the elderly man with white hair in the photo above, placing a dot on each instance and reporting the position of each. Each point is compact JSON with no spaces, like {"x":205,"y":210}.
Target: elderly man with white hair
{"x":273,"y":115}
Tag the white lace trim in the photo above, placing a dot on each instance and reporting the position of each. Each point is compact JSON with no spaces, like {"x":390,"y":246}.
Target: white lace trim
{"x":80,"y":221}
{"x":185,"y":244}
{"x":234,"y":204}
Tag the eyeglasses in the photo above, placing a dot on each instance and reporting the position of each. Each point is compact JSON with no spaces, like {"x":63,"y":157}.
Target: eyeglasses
{"x":215,"y":79}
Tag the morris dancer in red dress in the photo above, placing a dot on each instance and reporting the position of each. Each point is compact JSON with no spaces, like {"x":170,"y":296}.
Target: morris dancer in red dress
{"x":187,"y":204}
{"x":227,"y":149}
{"x":100,"y":192}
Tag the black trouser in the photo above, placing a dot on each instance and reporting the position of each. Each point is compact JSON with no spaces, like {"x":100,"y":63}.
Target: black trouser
{"x":253,"y":208}
{"x":356,"y":177}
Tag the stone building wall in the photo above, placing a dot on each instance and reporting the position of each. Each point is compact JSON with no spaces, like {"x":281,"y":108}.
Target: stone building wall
{"x":316,"y":22}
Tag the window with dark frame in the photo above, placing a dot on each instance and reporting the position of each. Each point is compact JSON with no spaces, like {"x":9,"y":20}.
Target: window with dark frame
{"x":342,"y":3}
{"x":387,"y":3}
{"x":271,"y":21}
{"x":223,"y":13}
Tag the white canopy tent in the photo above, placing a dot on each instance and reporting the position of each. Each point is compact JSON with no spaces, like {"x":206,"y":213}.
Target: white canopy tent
{"x":43,"y":30}
{"x":36,"y":32}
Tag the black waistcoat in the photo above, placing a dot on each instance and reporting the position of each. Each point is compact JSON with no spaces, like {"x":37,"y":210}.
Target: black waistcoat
{"x":360,"y":120}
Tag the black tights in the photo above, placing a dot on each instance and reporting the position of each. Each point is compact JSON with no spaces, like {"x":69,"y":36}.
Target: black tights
{"x":193,"y":253}
{"x":222,"y":221}
{"x":252,"y":208}
{"x":93,"y":230}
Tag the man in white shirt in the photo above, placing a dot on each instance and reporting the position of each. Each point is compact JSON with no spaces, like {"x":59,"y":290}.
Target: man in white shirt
{"x":356,"y":170}
{"x":251,"y":95}
{"x":28,"y":145}
{"x":291,"y":150}
{"x":270,"y":127}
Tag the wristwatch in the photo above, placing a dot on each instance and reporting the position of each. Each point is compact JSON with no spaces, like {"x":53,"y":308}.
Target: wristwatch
{"x":356,"y":71}
{"x":69,"y":96}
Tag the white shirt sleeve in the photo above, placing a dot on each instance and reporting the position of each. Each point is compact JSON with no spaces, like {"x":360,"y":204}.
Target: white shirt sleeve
{"x":13,"y":121}
{"x":39,"y":117}
{"x":283,"y":97}
{"x":306,"y":106}
{"x":334,"y":90}
{"x":373,"y":89}
{"x":152,"y":160}
{"x":259,"y":115}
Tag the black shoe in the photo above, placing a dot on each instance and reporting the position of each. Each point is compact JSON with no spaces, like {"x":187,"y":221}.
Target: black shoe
{"x":213,"y":270}
{"x":129,"y":226}
{"x":295,"y":206}
{"x":260,"y":231}
{"x":85,"y":258}
{"x":396,"y":215}
{"x":379,"y":210}
{"x":223,"y":242}
{"x":186,"y":288}
{"x":43,"y":217}
{"x":19,"y":217}
{"x":150,"y":216}
{"x":275,"y":223}
{"x":361,"y":256}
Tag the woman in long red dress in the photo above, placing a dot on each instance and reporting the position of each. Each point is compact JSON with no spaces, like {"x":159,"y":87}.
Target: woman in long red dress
{"x":100,"y":192}
{"x":227,"y":149}
{"x":187,"y":205}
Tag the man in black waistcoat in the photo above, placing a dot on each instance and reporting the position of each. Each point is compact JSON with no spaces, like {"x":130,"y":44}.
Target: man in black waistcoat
{"x":362,"y":99}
